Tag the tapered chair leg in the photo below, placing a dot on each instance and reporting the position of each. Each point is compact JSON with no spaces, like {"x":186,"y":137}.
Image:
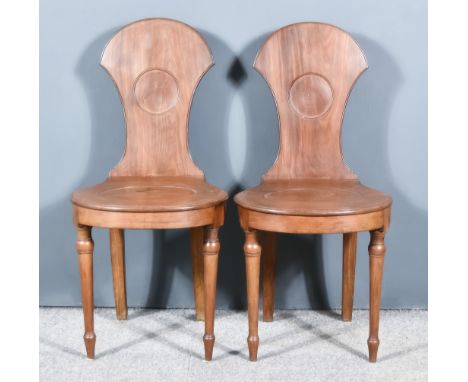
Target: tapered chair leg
{"x":196,"y":251}
{"x":376,"y":263}
{"x":268,"y":260}
{"x":117,"y":250}
{"x":85,"y":247}
{"x":210,"y":257}
{"x":349,"y":267}
{"x":252,"y":252}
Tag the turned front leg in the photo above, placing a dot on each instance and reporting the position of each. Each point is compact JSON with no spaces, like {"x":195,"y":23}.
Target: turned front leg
{"x":210,"y":257}
{"x":376,"y":262}
{"x":252,"y":252}
{"x":85,"y":247}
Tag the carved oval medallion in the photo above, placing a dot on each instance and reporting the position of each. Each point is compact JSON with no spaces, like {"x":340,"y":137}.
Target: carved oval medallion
{"x":311,"y":96}
{"x":156,"y":91}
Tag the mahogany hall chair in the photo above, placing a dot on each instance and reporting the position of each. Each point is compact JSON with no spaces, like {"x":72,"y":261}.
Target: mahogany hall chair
{"x":156,"y":65}
{"x":311,"y":69}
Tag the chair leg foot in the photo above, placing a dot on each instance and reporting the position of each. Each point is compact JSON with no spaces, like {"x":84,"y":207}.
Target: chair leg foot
{"x":208,"y":341}
{"x":252,"y":343}
{"x":90,"y":344}
{"x":373,"y":345}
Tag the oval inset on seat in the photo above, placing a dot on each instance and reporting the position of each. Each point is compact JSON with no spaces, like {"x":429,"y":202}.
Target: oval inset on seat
{"x":310,"y":95}
{"x":300,"y":194}
{"x":163,"y":191}
{"x":156,"y":91}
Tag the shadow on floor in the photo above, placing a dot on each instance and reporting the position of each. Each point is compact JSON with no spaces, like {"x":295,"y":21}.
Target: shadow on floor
{"x":306,"y":333}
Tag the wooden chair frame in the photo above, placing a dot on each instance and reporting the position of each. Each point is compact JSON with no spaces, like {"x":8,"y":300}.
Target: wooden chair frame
{"x":156,"y":65}
{"x":311,"y":69}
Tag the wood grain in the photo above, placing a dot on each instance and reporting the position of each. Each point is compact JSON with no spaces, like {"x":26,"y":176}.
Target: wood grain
{"x":313,"y":197}
{"x":313,"y":224}
{"x":149,"y":194}
{"x":149,"y":220}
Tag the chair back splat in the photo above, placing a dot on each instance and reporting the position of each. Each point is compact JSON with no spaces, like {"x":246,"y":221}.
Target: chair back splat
{"x":156,"y":65}
{"x":311,"y":69}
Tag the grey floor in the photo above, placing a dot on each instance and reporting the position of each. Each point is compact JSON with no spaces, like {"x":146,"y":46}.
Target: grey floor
{"x":166,"y":345}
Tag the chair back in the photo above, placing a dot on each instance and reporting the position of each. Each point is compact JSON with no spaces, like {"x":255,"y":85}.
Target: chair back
{"x":311,"y":69}
{"x":156,"y":65}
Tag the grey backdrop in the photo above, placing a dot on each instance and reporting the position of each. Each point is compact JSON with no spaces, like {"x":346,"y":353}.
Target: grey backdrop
{"x":233,"y":138}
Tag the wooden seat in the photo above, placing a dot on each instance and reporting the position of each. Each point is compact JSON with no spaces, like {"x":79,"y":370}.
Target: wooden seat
{"x":313,"y":198}
{"x":311,"y":69}
{"x":156,"y":65}
{"x":150,"y":194}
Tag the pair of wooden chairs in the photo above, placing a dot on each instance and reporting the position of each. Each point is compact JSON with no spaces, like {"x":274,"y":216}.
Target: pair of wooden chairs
{"x":156,"y":65}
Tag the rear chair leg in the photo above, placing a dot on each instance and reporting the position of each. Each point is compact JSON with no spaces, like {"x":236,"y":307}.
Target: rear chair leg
{"x":196,"y":250}
{"x":349,"y":267}
{"x":268,"y":260}
{"x":117,"y":250}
